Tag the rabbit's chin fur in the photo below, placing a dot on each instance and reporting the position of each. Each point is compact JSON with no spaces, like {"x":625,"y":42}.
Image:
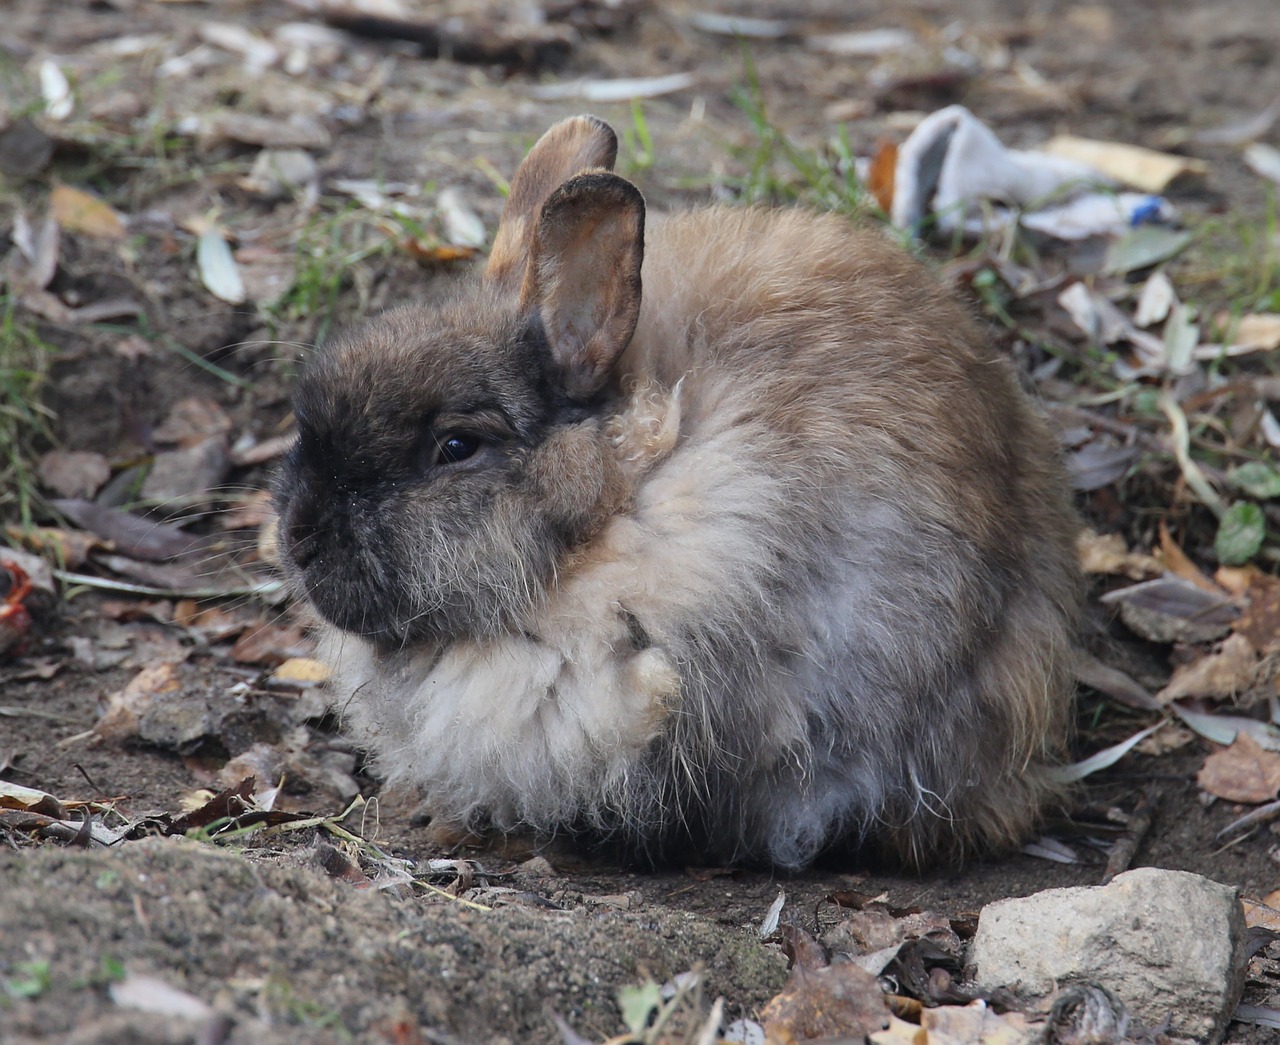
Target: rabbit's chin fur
{"x":823,"y":597}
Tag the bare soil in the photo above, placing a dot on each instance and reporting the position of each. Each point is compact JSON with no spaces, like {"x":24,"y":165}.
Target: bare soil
{"x":261,"y":930}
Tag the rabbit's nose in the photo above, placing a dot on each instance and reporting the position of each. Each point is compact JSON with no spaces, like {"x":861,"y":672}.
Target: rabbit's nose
{"x":304,"y":543}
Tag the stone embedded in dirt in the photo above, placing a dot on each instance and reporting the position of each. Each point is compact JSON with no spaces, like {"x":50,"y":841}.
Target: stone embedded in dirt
{"x":1170,"y":944}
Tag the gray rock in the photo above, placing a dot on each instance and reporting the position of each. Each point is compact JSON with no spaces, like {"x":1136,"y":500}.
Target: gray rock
{"x":1170,"y":944}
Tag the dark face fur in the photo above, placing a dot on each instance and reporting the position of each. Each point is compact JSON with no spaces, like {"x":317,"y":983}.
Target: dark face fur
{"x":429,"y":494}
{"x":447,"y":458}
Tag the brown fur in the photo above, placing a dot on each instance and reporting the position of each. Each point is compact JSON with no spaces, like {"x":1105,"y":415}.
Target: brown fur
{"x":759,"y":550}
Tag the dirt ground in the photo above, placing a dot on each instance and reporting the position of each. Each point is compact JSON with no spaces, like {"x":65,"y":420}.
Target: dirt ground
{"x":261,"y":928}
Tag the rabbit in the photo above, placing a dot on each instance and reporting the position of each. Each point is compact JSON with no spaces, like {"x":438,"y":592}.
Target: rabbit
{"x":729,"y":538}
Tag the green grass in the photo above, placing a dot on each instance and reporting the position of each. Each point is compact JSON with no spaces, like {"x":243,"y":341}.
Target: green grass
{"x":328,"y":251}
{"x":24,"y":422}
{"x":778,"y":170}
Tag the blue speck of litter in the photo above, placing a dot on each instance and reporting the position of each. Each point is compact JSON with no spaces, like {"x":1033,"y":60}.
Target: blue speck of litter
{"x":1148,"y":212}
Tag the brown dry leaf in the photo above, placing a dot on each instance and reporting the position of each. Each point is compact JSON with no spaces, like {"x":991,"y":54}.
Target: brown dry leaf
{"x":976,"y":1024}
{"x":73,"y":473}
{"x":130,"y":534}
{"x":1260,"y":621}
{"x":884,"y":165}
{"x":1233,"y":669}
{"x":68,"y":547}
{"x":838,"y":1001}
{"x":213,"y":624}
{"x":1108,"y":554}
{"x":1259,"y":329}
{"x":77,"y":211}
{"x":1173,"y":737}
{"x":432,"y":253}
{"x":1243,"y":772}
{"x":192,"y":420}
{"x":1170,"y":609}
{"x":159,"y":610}
{"x":300,"y":671}
{"x":1144,"y":169}
{"x":1176,"y":562}
{"x":1264,"y":913}
{"x":271,"y":644}
{"x":900,"y":1032}
{"x":124,"y":709}
{"x":1236,"y":579}
{"x":16,"y":796}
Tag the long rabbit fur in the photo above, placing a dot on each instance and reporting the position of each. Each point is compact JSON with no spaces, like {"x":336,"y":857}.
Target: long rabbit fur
{"x":728,"y":538}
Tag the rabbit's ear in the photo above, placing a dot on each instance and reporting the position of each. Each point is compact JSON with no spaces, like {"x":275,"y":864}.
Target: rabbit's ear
{"x":583,"y":276}
{"x":574,"y":145}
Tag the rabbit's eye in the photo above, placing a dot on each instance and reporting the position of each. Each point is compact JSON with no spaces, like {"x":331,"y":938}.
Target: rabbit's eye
{"x":454,"y":448}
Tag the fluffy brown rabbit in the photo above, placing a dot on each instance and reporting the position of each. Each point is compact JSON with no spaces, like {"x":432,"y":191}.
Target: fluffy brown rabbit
{"x":769,"y":559}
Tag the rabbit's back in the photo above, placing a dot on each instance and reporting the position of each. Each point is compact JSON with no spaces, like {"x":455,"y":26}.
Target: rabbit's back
{"x":878,"y":532}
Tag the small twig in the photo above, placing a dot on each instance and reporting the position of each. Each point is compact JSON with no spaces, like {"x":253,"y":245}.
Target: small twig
{"x":89,"y":581}
{"x":1253,"y":818}
{"x":1121,"y":852}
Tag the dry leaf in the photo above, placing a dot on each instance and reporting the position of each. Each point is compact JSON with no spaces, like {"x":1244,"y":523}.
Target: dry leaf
{"x":301,"y":671}
{"x":271,"y":644}
{"x":191,"y":420}
{"x":1176,"y":562}
{"x":436,"y":253}
{"x":462,"y":226}
{"x":975,"y":1024}
{"x":1243,"y":772}
{"x":884,"y":165}
{"x":1232,"y":670}
{"x":1170,"y":609}
{"x":1173,"y":737}
{"x":77,"y":211}
{"x":1263,"y":159}
{"x":838,"y":1001}
{"x":615,"y":90}
{"x":1264,"y":913}
{"x":298,"y":132}
{"x":1144,"y":169}
{"x":218,"y":271}
{"x":68,"y":547}
{"x":1260,"y":621}
{"x":124,"y":709}
{"x":152,"y":995}
{"x":1107,"y":553}
{"x":900,"y":1032}
{"x":73,"y":473}
{"x":1260,"y":330}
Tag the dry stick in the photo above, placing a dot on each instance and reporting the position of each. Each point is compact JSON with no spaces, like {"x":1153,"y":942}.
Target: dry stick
{"x":1121,"y":853}
{"x":534,"y":47}
{"x":1261,"y":815}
